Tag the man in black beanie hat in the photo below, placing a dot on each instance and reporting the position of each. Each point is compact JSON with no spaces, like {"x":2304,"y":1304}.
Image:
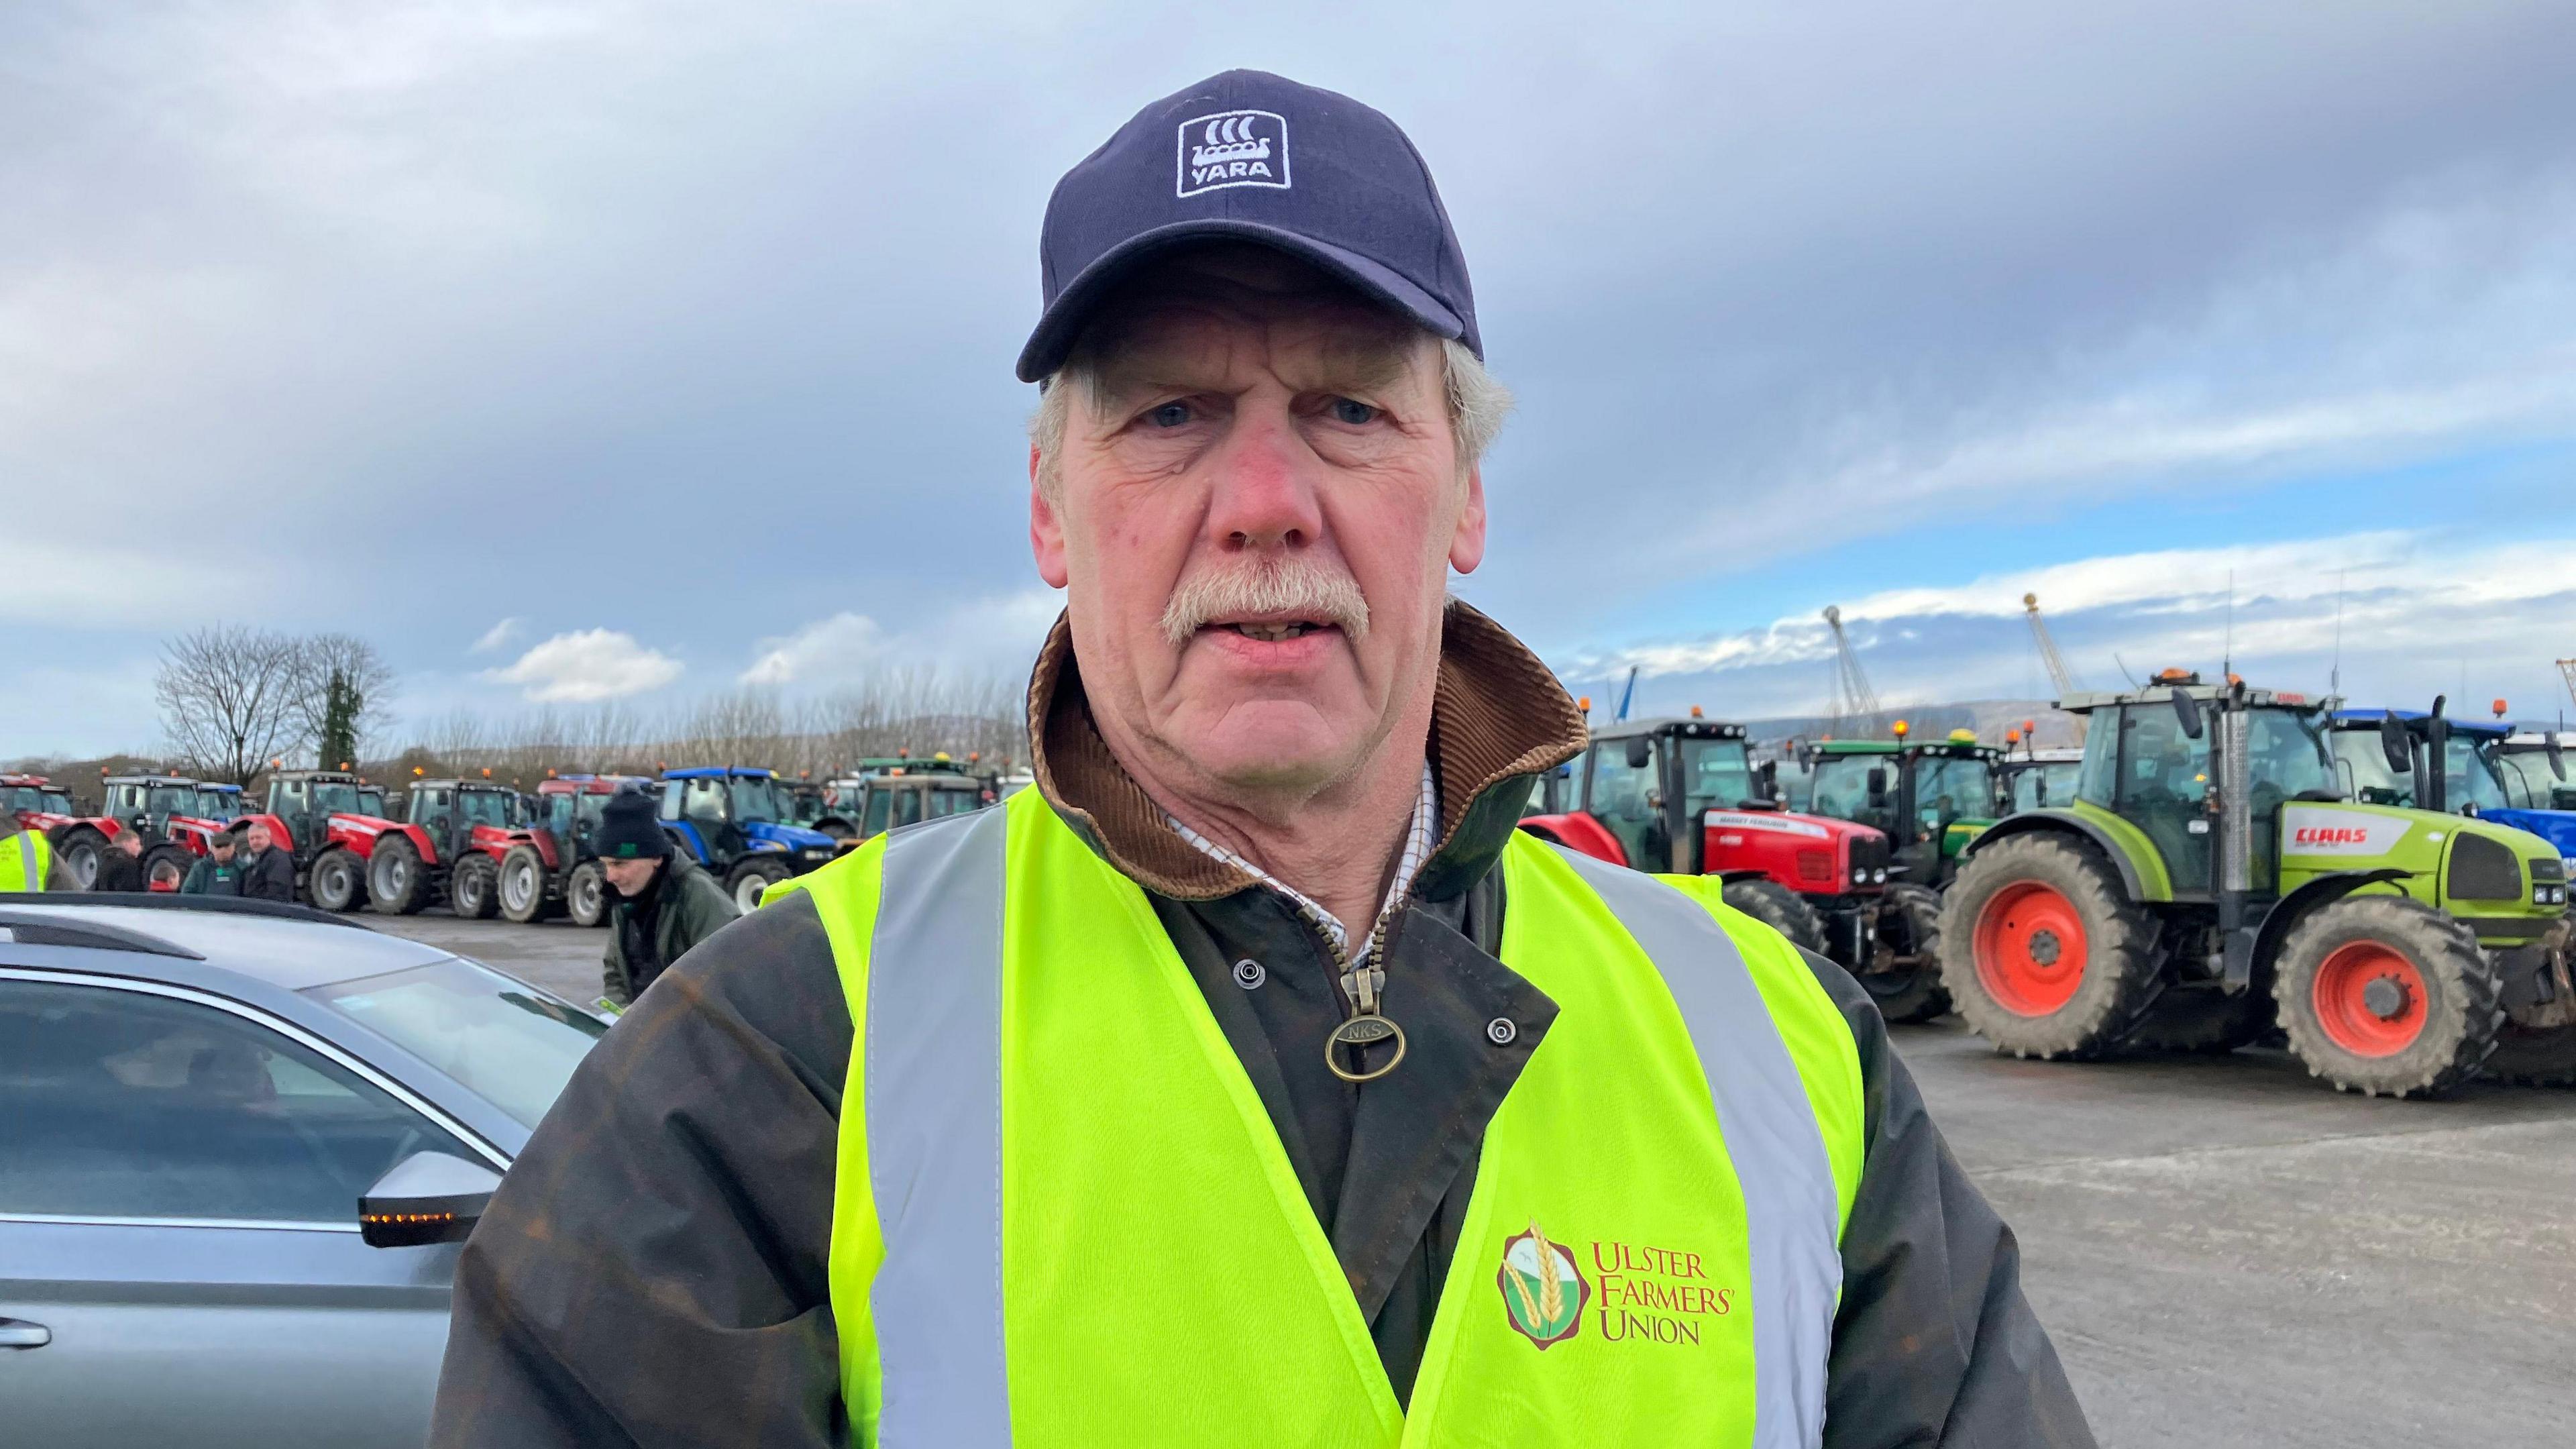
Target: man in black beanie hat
{"x":662,"y":903}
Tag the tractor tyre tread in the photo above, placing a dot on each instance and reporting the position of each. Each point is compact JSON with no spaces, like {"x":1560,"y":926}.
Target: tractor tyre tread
{"x":2456,"y":970}
{"x":1780,"y":908}
{"x":588,"y":882}
{"x":335,"y":859}
{"x":523,"y":857}
{"x":474,"y":888}
{"x":410,"y":901}
{"x":2121,"y":976}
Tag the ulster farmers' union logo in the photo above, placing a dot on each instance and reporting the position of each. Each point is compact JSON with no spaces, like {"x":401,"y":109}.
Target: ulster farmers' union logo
{"x":1543,"y":1292}
{"x":1233,"y":148}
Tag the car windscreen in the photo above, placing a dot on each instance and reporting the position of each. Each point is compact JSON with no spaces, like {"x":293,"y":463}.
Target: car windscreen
{"x":505,"y":1041}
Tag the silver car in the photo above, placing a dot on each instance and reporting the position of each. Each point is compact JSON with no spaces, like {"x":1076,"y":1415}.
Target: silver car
{"x":195,"y":1101}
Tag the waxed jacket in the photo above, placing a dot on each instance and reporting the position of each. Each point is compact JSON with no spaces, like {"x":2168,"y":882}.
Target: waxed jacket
{"x":653,"y":1271}
{"x":691,"y":907}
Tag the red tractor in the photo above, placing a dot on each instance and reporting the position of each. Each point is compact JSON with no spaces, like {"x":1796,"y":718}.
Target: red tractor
{"x":1682,"y":796}
{"x":138,"y":803}
{"x":554,"y":869}
{"x":32,"y":802}
{"x":452,"y":847}
{"x":321,"y":818}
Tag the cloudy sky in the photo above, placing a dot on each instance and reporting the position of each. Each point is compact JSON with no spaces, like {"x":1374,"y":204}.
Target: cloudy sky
{"x":588,"y":351}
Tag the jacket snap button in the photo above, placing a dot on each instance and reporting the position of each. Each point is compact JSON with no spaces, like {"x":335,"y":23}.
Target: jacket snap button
{"x":1248,"y":973}
{"x":1501,"y":1032}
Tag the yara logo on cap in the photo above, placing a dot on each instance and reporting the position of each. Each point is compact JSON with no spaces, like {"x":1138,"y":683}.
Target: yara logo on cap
{"x":1233,"y":148}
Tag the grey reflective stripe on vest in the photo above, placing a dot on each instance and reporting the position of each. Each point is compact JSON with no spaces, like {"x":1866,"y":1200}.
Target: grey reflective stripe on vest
{"x":30,"y":863}
{"x":934,"y":1101}
{"x":1792,"y":1213}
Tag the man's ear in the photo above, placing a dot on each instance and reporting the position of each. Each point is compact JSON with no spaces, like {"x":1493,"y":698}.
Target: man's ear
{"x":1467,"y":545}
{"x":1046,"y":530}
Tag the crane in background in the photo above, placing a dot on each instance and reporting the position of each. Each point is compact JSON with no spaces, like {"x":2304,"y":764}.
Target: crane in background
{"x":2058,"y":674}
{"x":1852,"y":708}
{"x":2567,"y":672}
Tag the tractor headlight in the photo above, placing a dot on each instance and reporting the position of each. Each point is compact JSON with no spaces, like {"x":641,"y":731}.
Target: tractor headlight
{"x":818,"y":852}
{"x":1878,"y":877}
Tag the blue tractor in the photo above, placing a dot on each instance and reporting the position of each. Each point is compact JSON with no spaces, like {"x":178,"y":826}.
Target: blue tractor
{"x":2385,"y":757}
{"x":728,"y":818}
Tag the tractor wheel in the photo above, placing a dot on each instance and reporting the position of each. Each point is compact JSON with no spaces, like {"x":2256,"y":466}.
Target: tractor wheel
{"x":2385,"y":995}
{"x":523,"y":885}
{"x":164,"y":866}
{"x":1780,"y":908}
{"x":472,"y":888}
{"x":2535,"y":1057}
{"x":1903,"y":974}
{"x":78,"y":855}
{"x":2205,"y":1020}
{"x":586,"y":895}
{"x":752,"y":877}
{"x":395,"y":877}
{"x":2042,"y":950}
{"x":337,"y":881}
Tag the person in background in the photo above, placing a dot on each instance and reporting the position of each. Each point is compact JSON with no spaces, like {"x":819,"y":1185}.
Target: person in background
{"x":120,"y":866}
{"x":267,"y":871}
{"x":26,"y":862}
{"x":664,"y":904}
{"x":216,"y":873}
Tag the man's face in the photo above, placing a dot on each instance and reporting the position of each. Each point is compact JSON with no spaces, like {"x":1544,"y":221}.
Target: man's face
{"x":222,"y":846}
{"x":627,"y":877}
{"x":130,"y":841}
{"x":1253,"y":521}
{"x":257,"y":838}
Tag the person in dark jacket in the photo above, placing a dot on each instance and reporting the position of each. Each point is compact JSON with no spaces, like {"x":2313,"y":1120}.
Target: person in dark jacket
{"x":663,"y":904}
{"x":218,"y":872}
{"x":120,"y":866}
{"x":267,"y":871}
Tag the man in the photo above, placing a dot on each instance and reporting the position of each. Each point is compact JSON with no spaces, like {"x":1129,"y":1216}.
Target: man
{"x":215,"y":873}
{"x":26,"y":862}
{"x":1252,"y":1079}
{"x":268,"y":872}
{"x":660,"y":904}
{"x":120,"y":866}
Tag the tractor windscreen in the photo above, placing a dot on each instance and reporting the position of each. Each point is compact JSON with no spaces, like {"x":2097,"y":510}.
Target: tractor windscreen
{"x":2287,"y":755}
{"x":1841,"y":790}
{"x":486,"y":807}
{"x":172,"y":800}
{"x":2469,"y":776}
{"x":1952,"y":787}
{"x":754,"y":799}
{"x":1716,"y":775}
{"x":58,"y":802}
{"x":2530,"y":785}
{"x":333,"y":797}
{"x":2048,"y":786}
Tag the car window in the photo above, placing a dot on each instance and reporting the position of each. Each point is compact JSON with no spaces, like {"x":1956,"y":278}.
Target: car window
{"x":513,"y":1047}
{"x":122,"y":1104}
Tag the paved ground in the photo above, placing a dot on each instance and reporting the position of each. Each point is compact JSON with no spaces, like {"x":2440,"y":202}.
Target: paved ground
{"x":2227,"y":1253}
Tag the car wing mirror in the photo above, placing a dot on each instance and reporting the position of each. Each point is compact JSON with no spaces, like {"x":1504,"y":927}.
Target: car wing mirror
{"x":2395,"y":744}
{"x":428,"y":1197}
{"x":2187,"y":714}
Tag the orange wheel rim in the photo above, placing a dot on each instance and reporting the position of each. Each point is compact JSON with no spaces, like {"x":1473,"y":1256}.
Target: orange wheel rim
{"x":2370,"y":999}
{"x":2030,"y":948}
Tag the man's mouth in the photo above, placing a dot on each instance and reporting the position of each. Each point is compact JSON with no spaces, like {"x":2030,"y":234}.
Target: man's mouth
{"x":1273,"y":632}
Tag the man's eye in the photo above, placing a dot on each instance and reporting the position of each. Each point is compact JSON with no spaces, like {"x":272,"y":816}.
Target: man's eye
{"x":1169,"y":415}
{"x":1353,"y":413}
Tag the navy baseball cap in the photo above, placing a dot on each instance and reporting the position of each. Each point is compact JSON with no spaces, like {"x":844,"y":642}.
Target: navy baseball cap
{"x":1250,"y":156}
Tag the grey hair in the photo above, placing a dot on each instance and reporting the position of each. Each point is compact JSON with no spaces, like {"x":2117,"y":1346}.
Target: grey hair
{"x":1478,"y":403}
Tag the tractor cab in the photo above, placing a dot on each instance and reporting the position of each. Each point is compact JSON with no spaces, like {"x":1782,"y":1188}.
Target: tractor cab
{"x":147,"y":802}
{"x":1930,"y":797}
{"x":899,"y":791}
{"x":2534,"y":767}
{"x":2213,"y":877}
{"x":2474,"y":778}
{"x":304,"y":802}
{"x":221,"y":804}
{"x":804,"y":801}
{"x":464,"y":815}
{"x":32,"y":802}
{"x":2037,"y":779}
{"x":730,"y":819}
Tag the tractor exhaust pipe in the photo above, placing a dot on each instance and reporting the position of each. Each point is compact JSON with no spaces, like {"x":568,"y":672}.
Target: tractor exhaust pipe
{"x":2235,"y":842}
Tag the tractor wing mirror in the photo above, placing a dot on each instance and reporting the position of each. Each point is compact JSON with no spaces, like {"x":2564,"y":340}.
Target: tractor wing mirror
{"x":1641,"y":752}
{"x":2557,"y":759}
{"x":1876,"y":780}
{"x":2394,"y":745}
{"x":2187,"y":714}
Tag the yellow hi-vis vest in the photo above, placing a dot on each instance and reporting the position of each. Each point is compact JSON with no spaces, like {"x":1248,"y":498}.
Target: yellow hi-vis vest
{"x":1063,"y":1216}
{"x":24,"y":859}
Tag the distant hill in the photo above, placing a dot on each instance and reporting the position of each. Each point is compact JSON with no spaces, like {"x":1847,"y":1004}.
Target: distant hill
{"x":1990,"y":718}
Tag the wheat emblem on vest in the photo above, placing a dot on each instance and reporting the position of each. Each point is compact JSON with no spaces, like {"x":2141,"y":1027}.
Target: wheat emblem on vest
{"x":1543,"y":1291}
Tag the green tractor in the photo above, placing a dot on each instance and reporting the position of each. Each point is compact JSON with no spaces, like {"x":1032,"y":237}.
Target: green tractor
{"x":2211,"y":880}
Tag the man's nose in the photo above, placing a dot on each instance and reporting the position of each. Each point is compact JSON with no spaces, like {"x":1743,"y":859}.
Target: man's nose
{"x":1265,"y":490}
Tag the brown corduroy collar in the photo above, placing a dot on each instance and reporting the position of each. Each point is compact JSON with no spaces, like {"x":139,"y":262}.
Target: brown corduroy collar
{"x":1497,"y":715}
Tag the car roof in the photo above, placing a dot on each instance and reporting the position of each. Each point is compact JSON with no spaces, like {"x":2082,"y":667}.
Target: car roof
{"x":286,"y":949}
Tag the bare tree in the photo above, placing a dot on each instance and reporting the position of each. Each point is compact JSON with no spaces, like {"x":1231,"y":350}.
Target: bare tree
{"x":229,"y":700}
{"x":321,"y":659}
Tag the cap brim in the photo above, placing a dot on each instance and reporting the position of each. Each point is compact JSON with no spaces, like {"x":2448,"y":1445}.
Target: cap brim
{"x":1057,"y":331}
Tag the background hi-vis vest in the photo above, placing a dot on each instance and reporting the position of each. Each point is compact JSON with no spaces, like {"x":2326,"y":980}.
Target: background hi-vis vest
{"x":1064,"y":1218}
{"x":24,"y":859}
